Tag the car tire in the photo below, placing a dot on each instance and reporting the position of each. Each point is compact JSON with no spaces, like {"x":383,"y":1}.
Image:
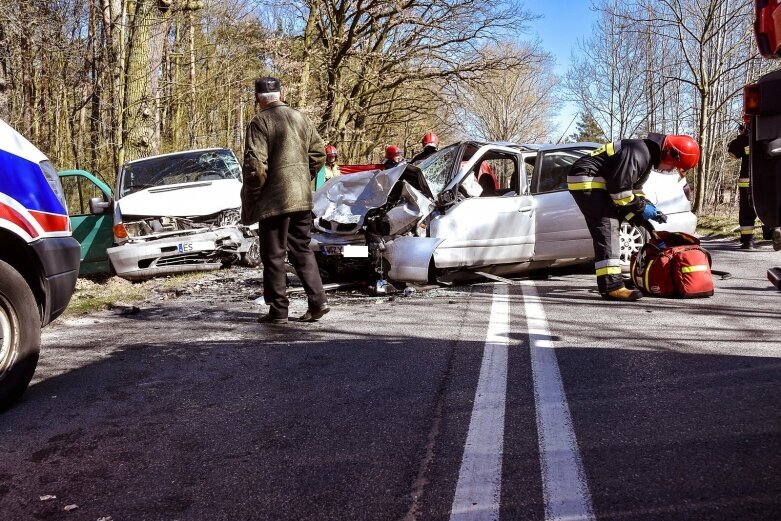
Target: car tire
{"x":20,"y":335}
{"x":631,"y":238}
{"x":252,"y":257}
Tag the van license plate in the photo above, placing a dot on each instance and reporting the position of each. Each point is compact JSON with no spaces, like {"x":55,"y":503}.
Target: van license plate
{"x":331,"y":250}
{"x":184,"y":247}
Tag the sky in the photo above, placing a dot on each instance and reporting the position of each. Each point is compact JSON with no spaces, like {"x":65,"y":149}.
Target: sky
{"x":564,"y":23}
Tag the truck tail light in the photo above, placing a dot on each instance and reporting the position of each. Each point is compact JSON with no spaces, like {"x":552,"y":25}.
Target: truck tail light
{"x":119,"y":231}
{"x":751,"y":99}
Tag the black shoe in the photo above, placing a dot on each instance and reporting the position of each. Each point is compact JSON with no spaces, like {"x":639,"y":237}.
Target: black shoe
{"x":313,"y":314}
{"x":268,"y":319}
{"x":747,"y":245}
{"x":767,"y":234}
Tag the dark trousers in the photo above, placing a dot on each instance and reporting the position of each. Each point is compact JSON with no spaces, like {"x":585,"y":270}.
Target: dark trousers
{"x":288,"y":233}
{"x":747,"y":216}
{"x":603,"y":222}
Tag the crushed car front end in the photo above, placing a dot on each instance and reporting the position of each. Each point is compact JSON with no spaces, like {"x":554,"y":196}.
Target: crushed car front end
{"x":177,"y":213}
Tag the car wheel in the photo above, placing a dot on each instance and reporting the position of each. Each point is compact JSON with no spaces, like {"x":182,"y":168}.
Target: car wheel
{"x":20,"y":335}
{"x":252,"y":257}
{"x":632,"y":238}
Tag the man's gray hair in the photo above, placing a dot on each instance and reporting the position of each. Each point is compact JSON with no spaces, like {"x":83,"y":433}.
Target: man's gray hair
{"x":268,"y":97}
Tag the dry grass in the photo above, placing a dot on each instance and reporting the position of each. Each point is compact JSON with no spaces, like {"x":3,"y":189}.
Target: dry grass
{"x":95,"y":293}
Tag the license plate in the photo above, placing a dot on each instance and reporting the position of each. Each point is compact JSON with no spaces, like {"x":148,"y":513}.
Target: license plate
{"x":350,"y":251}
{"x":184,"y":247}
{"x":331,"y":250}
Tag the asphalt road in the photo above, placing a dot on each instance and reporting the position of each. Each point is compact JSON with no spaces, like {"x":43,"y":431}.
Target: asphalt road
{"x":474,"y":402}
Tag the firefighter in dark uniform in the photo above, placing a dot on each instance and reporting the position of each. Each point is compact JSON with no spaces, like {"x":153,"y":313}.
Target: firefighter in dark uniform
{"x":430,"y":145}
{"x":392,"y":157}
{"x":747,"y":216}
{"x":606,"y":184}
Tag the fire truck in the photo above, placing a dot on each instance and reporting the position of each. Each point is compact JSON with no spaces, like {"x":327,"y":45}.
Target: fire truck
{"x":762,"y":102}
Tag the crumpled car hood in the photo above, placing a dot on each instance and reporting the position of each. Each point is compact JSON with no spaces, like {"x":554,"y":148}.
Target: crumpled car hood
{"x":347,"y":199}
{"x":184,"y":200}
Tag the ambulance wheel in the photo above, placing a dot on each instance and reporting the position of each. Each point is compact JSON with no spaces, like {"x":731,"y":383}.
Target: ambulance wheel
{"x":20,"y":335}
{"x":632,"y":238}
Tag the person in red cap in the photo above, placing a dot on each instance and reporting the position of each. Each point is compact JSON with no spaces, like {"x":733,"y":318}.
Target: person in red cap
{"x":282,"y":153}
{"x":392,"y":157}
{"x":331,"y":168}
{"x":606,"y":185}
{"x":747,"y":216}
{"x":430,"y":145}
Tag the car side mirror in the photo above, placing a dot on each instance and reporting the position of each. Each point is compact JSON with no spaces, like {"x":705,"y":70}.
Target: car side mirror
{"x":445,"y":198}
{"x":97,"y":206}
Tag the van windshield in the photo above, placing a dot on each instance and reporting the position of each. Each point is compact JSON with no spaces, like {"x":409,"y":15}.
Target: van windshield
{"x":211,"y":165}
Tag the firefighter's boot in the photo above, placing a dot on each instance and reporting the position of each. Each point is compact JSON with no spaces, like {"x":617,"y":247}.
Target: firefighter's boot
{"x":623,"y":294}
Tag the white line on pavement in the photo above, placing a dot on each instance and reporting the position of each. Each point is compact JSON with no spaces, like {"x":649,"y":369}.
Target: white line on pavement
{"x":479,"y":485}
{"x":564,"y":484}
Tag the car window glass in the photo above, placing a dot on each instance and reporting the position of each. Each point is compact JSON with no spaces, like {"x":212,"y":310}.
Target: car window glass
{"x":554,"y":168}
{"x":497,"y":174}
{"x":210,"y":165}
{"x":78,"y":191}
{"x":436,"y":168}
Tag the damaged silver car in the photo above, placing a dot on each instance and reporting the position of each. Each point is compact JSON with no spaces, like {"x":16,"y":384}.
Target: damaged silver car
{"x":180,"y":212}
{"x":434,"y":222}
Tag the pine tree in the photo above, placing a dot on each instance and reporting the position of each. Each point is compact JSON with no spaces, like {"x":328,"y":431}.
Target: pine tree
{"x":587,"y":129}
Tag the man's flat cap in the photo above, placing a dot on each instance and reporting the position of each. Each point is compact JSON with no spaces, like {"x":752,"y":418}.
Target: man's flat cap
{"x":267,"y":84}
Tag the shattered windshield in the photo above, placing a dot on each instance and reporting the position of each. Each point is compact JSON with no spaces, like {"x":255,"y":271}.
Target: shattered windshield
{"x":190,"y":167}
{"x":437,"y":167}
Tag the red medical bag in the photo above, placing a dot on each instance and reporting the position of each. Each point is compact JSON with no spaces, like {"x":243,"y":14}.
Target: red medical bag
{"x":673,"y":264}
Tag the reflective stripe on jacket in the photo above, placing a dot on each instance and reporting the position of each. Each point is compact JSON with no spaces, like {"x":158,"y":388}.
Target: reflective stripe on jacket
{"x":621,"y":166}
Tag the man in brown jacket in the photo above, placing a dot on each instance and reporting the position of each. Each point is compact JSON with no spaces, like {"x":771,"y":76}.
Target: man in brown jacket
{"x":282,"y":154}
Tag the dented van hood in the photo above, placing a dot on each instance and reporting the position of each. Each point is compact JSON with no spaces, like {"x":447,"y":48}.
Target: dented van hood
{"x":184,"y":200}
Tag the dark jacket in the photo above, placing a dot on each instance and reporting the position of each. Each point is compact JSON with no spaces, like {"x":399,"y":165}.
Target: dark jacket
{"x":427,"y":151}
{"x":738,"y":147}
{"x":282,"y":154}
{"x":624,"y":165}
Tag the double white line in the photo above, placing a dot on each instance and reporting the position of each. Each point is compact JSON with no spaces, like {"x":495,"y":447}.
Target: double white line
{"x":478,"y":492}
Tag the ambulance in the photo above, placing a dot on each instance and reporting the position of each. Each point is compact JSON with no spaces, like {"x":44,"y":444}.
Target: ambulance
{"x":39,"y":260}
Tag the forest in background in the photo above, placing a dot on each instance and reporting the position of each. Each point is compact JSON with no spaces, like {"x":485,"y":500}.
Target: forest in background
{"x":95,"y":83}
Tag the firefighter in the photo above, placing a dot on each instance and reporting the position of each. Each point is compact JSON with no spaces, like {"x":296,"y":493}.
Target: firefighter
{"x":747,"y":216}
{"x":606,"y":187}
{"x":392,"y":157}
{"x":430,"y":144}
{"x":331,"y":168}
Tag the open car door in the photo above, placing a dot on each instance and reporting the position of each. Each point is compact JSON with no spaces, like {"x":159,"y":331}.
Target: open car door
{"x":487,"y":225}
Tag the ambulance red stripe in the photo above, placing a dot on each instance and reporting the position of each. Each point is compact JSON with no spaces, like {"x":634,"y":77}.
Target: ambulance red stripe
{"x":11,"y":215}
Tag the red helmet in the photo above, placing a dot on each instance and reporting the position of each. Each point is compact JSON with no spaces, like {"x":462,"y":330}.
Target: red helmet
{"x":392,"y":151}
{"x":746,"y":119}
{"x":679,"y":152}
{"x":430,"y":139}
{"x":330,"y":150}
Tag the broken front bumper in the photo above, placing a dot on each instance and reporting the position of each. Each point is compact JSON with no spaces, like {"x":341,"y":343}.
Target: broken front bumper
{"x":140,"y":259}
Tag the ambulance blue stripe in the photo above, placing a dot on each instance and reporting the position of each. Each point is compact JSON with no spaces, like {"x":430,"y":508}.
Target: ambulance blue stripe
{"x":24,"y":181}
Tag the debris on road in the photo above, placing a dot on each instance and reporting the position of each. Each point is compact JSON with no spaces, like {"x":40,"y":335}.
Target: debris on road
{"x":68,"y":508}
{"x":47,"y":497}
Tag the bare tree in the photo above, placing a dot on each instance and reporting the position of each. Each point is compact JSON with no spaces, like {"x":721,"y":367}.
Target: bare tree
{"x":513,"y":105}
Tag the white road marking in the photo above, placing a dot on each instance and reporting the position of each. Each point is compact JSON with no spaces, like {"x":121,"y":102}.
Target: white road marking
{"x":564,"y":486}
{"x":479,"y":487}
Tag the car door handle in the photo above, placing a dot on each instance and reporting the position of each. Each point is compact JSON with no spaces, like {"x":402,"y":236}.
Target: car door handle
{"x":525,"y":209}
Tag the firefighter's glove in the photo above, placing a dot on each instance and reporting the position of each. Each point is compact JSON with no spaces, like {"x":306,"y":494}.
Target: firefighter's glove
{"x":650,"y":212}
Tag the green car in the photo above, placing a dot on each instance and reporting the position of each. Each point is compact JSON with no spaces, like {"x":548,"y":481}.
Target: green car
{"x":90,"y":207}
